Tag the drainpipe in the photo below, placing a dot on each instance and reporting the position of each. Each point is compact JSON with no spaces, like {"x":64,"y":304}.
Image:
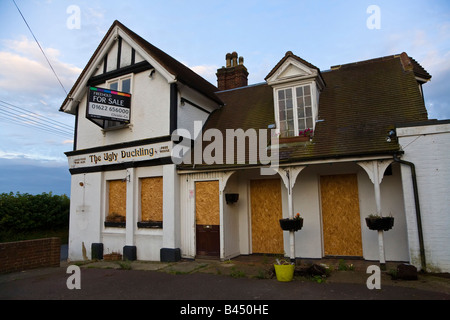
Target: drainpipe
{"x":417,"y":204}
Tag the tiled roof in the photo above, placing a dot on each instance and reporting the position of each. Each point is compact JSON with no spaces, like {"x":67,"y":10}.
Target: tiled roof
{"x":176,"y":68}
{"x":360,"y":103}
{"x":182,"y":72}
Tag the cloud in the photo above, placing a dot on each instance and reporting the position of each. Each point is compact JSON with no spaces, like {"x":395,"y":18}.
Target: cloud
{"x":206,"y":71}
{"x":24,"y":68}
{"x":427,"y":49}
{"x":24,"y":157}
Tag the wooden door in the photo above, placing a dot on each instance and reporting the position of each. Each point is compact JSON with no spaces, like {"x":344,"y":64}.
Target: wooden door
{"x":340,"y":215}
{"x":207,"y":211}
{"x":266,"y":208}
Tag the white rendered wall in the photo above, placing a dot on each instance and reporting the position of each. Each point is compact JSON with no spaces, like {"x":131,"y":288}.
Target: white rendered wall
{"x":85,"y":222}
{"x":428,"y":147}
{"x":150,"y":114}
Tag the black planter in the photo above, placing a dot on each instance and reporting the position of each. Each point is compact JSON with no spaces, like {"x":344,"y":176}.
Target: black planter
{"x":381,"y":223}
{"x":114,"y":224}
{"x":291,"y":224}
{"x":150,"y":224}
{"x":231,"y":197}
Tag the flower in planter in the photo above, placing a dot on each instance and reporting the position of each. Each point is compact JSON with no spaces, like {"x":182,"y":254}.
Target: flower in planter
{"x":306,"y":133}
{"x":293,"y":224}
{"x":115,"y":217}
{"x":283,"y":262}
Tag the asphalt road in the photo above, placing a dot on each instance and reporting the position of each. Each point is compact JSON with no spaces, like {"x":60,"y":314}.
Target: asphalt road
{"x":113,"y":284}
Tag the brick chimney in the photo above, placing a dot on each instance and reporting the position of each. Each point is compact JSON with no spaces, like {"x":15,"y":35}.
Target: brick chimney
{"x":234,"y":75}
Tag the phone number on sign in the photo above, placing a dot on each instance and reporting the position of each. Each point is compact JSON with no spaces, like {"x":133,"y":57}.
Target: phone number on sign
{"x":110,"y":109}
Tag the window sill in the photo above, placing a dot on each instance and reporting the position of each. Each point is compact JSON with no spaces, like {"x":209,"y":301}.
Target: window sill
{"x":285,"y":140}
{"x":150,"y":224}
{"x":111,"y":224}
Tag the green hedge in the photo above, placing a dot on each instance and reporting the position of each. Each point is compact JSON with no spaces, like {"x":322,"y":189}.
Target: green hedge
{"x":25,"y":213}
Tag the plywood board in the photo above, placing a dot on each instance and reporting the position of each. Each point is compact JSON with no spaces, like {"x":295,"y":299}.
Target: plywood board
{"x":266,"y":208}
{"x":117,"y":197}
{"x":152,"y":199}
{"x":207,"y":206}
{"x":340,"y":214}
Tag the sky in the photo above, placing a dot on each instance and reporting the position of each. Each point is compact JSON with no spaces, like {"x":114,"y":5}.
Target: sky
{"x":34,"y":134}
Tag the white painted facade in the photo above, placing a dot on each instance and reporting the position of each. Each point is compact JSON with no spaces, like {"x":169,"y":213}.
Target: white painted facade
{"x":149,"y":127}
{"x":427,"y":146}
{"x":235,"y":219}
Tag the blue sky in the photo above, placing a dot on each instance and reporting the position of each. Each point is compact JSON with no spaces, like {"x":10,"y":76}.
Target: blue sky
{"x":199,"y":34}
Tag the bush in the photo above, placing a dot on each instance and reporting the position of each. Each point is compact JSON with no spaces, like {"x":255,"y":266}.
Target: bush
{"x":25,"y":213}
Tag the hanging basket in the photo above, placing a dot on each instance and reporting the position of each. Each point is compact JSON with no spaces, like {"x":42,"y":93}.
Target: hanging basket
{"x":380,"y":223}
{"x":291,"y":224}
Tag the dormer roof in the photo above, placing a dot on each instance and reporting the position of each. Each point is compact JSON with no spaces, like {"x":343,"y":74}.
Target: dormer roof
{"x":290,"y":68}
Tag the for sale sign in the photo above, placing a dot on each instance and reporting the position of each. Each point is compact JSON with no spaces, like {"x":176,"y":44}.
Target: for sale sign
{"x":108,"y":105}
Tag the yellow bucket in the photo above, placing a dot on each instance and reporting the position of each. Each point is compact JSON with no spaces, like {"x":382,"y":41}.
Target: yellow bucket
{"x":284,"y":272}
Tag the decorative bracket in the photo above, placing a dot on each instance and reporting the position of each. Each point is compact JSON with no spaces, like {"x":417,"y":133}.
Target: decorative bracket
{"x":375,"y":169}
{"x":289,"y":176}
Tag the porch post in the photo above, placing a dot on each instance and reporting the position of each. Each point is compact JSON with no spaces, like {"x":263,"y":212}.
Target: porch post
{"x":289,"y":176}
{"x":375,"y":169}
{"x":291,"y":216}
{"x":222,"y":184}
{"x":129,"y":250}
{"x":376,"y":185}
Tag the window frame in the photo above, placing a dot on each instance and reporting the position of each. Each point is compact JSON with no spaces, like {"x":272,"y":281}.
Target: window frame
{"x":293,"y":87}
{"x":110,"y":124}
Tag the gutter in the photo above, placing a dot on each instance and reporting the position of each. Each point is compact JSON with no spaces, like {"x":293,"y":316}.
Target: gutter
{"x":417,"y":204}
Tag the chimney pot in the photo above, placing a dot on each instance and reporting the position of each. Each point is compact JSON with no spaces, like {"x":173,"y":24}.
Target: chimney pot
{"x":228,"y":60}
{"x":234,"y":75}
{"x":234,"y":56}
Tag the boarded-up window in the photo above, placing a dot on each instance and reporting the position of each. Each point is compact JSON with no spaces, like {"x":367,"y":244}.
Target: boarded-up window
{"x":340,"y":214}
{"x":152,"y":199}
{"x":207,"y":206}
{"x":265,"y":203}
{"x":117,"y":201}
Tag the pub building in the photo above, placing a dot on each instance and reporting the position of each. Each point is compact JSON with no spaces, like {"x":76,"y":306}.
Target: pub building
{"x":333,"y":131}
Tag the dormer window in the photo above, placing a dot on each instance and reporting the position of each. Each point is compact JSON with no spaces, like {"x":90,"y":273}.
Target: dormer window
{"x":295,"y":110}
{"x":296,"y":87}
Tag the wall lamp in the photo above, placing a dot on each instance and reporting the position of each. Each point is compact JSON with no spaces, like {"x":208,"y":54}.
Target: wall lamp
{"x":391,"y":134}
